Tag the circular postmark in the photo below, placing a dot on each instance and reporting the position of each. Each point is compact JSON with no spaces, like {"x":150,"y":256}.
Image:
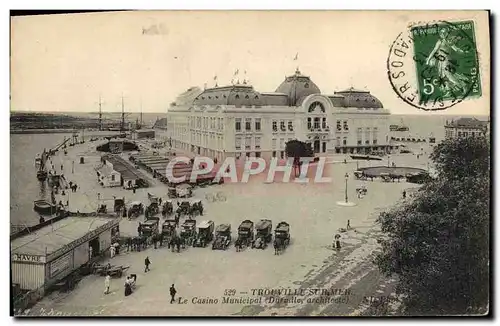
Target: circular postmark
{"x":435,"y":66}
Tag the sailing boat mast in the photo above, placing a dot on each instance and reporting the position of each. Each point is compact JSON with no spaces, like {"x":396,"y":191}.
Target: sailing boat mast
{"x":141,"y":114}
{"x":100,"y":113}
{"x":123,"y":116}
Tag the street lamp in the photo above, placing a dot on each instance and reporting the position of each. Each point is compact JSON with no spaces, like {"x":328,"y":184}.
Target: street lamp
{"x":346,"y":178}
{"x":388,"y":160}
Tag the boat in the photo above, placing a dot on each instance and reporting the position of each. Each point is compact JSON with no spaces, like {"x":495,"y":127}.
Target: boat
{"x":366,"y":157}
{"x":44,"y":207}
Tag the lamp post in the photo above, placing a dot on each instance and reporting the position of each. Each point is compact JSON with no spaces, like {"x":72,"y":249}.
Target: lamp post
{"x":73,"y":167}
{"x":346,"y":178}
{"x":388,"y":160}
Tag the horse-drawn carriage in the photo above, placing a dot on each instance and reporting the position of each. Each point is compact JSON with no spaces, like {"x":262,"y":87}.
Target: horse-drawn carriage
{"x":154,"y":206}
{"x":205,"y":234}
{"x":264,"y":234}
{"x":184,"y":208}
{"x":172,"y":192}
{"x":361,"y":190}
{"x":360,"y":175}
{"x":281,"y":237}
{"x":119,"y":204}
{"x":188,"y":231}
{"x":111,"y":270}
{"x":184,"y":190}
{"x":245,"y":235}
{"x":149,"y":227}
{"x":196,"y":208}
{"x":386,"y":177}
{"x":222,"y":237}
{"x":168,"y":227}
{"x":180,"y":191}
{"x":135,"y":210}
{"x":168,"y":208}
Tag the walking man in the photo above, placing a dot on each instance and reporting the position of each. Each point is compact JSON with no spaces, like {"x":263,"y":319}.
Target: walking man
{"x":348,"y":224}
{"x":404,"y":194}
{"x":172,"y":294}
{"x":107,"y":281}
{"x":146,"y":263}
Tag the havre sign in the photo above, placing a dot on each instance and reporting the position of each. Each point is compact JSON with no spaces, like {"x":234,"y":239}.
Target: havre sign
{"x":28,"y":258}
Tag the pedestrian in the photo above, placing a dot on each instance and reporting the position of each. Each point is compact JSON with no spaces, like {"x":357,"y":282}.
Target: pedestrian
{"x":42,"y":220}
{"x":404,"y":194}
{"x":172,"y":294}
{"x":348,"y":224}
{"x":107,"y":281}
{"x":112,"y":251}
{"x":147,"y":263}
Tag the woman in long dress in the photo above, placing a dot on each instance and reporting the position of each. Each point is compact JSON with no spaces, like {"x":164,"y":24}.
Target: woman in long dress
{"x":128,"y":288}
{"x":440,"y":57}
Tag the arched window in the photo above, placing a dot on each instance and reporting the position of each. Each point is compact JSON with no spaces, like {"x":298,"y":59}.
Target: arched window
{"x":316,"y":107}
{"x":237,"y":96}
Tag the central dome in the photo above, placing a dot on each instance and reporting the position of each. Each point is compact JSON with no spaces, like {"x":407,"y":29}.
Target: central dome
{"x":297,"y":87}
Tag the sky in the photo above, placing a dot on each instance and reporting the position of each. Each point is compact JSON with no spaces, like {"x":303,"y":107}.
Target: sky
{"x":64,"y":63}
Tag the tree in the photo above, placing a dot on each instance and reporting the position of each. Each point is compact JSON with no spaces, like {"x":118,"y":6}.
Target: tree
{"x":297,"y":149}
{"x":438,"y":244}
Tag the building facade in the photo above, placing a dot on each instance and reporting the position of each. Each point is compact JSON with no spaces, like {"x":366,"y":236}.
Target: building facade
{"x":466,"y":127}
{"x":238,"y":121}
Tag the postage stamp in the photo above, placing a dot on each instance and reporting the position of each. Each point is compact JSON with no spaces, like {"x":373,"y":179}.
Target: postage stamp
{"x":446,"y":64}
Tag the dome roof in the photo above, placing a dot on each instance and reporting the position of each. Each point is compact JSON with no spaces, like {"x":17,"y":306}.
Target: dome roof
{"x":297,"y":87}
{"x":187,"y":97}
{"x":354,"y":98}
{"x":238,"y":95}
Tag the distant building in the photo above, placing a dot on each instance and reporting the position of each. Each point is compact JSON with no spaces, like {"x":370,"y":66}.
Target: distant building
{"x":238,"y":121}
{"x":465,"y":127}
{"x":128,"y":175}
{"x":108,"y":177}
{"x":143,"y":134}
{"x":42,"y":258}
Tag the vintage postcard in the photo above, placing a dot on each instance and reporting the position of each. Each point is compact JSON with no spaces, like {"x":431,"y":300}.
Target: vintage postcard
{"x":250,"y":163}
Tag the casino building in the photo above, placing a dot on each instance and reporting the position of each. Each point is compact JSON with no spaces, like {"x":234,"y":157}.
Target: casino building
{"x":239,"y":121}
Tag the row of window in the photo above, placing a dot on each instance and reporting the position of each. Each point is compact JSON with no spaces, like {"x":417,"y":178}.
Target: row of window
{"x":317,"y":123}
{"x":224,"y":96}
{"x":211,"y":123}
{"x":210,"y":141}
{"x":360,"y":142}
{"x":258,"y":154}
{"x":248,"y":124}
{"x":284,"y":125}
{"x":367,"y":130}
{"x":248,"y":142}
{"x":342,"y":125}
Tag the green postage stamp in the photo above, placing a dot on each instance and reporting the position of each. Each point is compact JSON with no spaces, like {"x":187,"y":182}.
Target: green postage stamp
{"x":446,"y":61}
{"x":436,"y":65}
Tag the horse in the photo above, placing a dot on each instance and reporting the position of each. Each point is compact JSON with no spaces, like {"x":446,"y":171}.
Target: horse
{"x":278,"y":246}
{"x":238,"y":244}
